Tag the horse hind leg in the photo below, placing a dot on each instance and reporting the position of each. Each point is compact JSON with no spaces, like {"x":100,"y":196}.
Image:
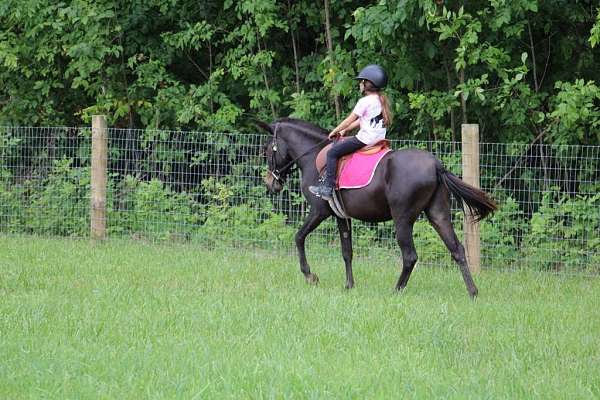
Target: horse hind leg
{"x":404,"y":236}
{"x":345,"y":229}
{"x":438,"y":213}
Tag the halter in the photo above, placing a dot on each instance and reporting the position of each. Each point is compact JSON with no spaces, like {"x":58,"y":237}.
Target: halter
{"x":277,"y":173}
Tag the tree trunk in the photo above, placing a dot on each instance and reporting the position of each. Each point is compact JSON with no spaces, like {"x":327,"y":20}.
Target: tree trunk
{"x":463,"y":102}
{"x":533,"y":62}
{"x":450,"y":109}
{"x":295,"y":49}
{"x":210,"y":71}
{"x":336,"y":99}
{"x":265,"y":78}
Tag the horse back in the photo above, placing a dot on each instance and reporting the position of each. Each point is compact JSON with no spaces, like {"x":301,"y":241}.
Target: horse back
{"x":412,"y":166}
{"x":404,"y":181}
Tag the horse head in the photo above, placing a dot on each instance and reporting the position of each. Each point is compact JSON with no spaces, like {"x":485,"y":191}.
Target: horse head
{"x":276,"y":152}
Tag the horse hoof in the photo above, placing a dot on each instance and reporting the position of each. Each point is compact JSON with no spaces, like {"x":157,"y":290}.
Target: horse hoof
{"x":312,"y":279}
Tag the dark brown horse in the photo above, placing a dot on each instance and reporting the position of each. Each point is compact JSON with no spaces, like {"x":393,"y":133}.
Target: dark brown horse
{"x":406,"y":183}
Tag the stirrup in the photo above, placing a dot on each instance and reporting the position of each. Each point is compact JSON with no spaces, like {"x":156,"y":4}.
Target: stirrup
{"x":322,"y":191}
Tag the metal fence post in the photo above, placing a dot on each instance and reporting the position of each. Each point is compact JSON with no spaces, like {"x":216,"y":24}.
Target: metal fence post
{"x":98,"y":178}
{"x":470,"y":170}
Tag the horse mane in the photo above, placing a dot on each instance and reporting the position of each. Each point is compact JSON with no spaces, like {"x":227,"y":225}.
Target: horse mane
{"x":311,"y":130}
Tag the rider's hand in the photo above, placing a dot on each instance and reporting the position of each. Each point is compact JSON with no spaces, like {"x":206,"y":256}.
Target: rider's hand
{"x":333,"y":134}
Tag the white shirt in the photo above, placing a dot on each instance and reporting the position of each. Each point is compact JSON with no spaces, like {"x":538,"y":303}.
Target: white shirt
{"x":370,"y":112}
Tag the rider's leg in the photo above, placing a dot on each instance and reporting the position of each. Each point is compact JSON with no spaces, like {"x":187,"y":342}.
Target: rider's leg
{"x":339,"y":149}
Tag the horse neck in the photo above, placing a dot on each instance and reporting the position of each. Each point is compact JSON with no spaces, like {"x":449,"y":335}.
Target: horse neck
{"x":301,"y":142}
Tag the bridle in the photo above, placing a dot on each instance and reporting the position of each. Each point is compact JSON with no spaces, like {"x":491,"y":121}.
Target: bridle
{"x":276,"y":172}
{"x":279,"y":173}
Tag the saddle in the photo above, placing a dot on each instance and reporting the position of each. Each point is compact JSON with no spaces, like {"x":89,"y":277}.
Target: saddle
{"x":374,"y":149}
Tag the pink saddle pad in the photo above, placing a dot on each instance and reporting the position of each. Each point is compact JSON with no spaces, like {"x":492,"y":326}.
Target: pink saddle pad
{"x":359,"y":169}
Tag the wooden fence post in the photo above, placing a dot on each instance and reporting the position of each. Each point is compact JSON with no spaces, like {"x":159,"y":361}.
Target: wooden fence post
{"x":99,"y":177}
{"x":470,"y":169}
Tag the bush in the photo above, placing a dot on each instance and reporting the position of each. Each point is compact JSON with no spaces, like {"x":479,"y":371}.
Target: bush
{"x":152,"y":210}
{"x":61,"y":207}
{"x":500,"y":235}
{"x":430,"y":247}
{"x":11,"y":205}
{"x":254,"y":220}
{"x":563,"y":233}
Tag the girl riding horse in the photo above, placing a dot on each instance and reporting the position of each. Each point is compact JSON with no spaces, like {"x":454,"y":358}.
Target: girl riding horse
{"x":371,"y":113}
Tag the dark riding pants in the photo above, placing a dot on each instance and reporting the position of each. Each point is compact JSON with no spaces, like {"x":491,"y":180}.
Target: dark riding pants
{"x":338,"y":150}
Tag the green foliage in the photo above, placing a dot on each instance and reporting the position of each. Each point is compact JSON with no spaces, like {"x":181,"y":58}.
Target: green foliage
{"x":431,"y":109}
{"x":501,"y":234}
{"x":561,"y":234}
{"x":430,"y":247}
{"x":171,"y":64}
{"x":56,"y":57}
{"x":564,"y":232}
{"x":62,"y":205}
{"x":595,"y":32}
{"x":152,"y":210}
{"x":577,"y":113}
{"x":11,"y":207}
{"x":253,"y":221}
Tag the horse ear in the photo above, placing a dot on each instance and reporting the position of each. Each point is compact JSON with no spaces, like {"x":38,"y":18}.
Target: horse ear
{"x":264,"y":125}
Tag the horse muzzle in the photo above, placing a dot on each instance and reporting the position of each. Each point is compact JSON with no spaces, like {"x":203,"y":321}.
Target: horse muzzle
{"x":274,"y":185}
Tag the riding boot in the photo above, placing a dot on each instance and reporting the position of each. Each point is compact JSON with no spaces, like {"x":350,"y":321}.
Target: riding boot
{"x":323,"y":191}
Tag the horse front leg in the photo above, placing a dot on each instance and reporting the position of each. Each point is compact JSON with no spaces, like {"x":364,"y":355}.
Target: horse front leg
{"x":313,"y":220}
{"x":345,"y":229}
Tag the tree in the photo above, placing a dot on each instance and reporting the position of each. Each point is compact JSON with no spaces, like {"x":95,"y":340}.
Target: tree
{"x":518,"y":68}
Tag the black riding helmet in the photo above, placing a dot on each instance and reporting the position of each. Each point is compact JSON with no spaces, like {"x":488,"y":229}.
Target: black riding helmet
{"x":375,"y":74}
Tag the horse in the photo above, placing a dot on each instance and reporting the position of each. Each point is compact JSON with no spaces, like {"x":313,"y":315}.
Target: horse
{"x":406,"y":183}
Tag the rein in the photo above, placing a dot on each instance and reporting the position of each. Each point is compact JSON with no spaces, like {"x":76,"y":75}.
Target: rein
{"x":278,"y":172}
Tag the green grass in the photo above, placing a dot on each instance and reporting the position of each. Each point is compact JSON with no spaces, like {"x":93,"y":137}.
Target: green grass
{"x":133,"y":320}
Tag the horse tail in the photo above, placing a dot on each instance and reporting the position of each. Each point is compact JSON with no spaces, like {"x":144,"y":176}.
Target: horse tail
{"x":477,"y":201}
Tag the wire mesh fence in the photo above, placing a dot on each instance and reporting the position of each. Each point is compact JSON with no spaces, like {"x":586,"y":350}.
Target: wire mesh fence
{"x":207,"y":188}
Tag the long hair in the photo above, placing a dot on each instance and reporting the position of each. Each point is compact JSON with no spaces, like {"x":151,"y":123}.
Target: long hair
{"x":385,"y":103}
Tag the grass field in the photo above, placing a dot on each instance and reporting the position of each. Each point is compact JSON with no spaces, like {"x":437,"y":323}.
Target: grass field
{"x":133,"y":320}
